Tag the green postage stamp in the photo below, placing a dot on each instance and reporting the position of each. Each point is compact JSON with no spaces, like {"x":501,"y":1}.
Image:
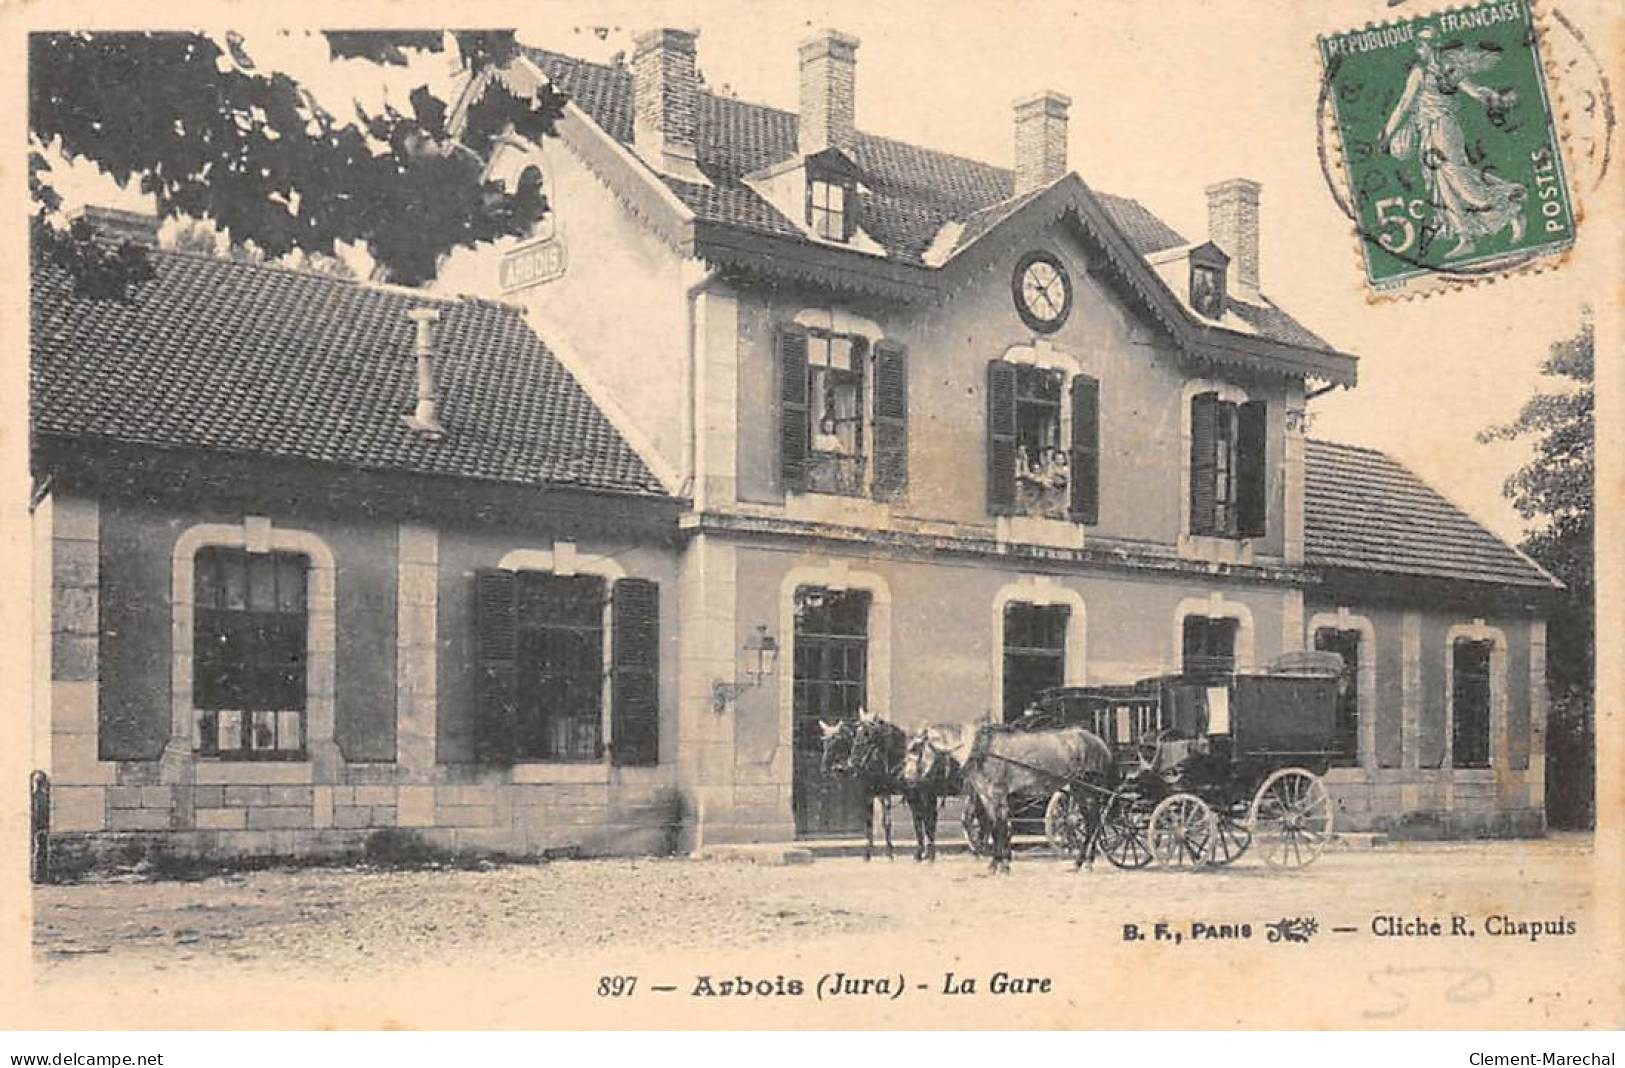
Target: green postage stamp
{"x":1450,"y":152}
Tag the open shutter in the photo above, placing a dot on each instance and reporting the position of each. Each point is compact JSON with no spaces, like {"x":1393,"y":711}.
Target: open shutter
{"x":497,"y":639}
{"x":1204,"y":461}
{"x":1001,"y":437}
{"x":793,"y":444}
{"x":891,"y":421}
{"x":1252,"y":499}
{"x":635,"y":716}
{"x":1084,"y":462}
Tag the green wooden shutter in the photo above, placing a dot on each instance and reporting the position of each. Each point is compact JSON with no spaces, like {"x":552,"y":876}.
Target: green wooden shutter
{"x":497,"y":640}
{"x":1084,"y":462}
{"x":1204,"y":461}
{"x":891,"y":421}
{"x":1001,"y":437}
{"x":1252,"y":481}
{"x":635,"y":715}
{"x":793,"y":443}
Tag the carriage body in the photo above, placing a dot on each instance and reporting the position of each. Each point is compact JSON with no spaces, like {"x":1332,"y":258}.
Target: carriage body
{"x":1213,"y":753}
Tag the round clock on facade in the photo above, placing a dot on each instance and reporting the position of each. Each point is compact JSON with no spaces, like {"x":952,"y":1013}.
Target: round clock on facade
{"x":1043,"y":292}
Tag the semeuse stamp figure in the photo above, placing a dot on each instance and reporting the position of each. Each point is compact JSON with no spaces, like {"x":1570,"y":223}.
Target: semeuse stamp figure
{"x":1449,"y":149}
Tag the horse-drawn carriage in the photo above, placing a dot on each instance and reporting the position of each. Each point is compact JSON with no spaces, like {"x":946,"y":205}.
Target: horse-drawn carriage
{"x":1205,"y":768}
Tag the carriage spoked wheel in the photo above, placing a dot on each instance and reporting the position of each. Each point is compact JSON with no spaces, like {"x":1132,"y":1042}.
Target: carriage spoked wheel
{"x":1125,"y":831}
{"x":1291,"y":818}
{"x":1064,"y":825}
{"x":1231,"y":839}
{"x":1183,"y":830}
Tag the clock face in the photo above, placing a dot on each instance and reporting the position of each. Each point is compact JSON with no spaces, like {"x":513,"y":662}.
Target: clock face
{"x":1042,"y":291}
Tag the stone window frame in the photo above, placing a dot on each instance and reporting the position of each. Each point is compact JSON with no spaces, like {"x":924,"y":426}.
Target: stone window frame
{"x":1042,"y":591}
{"x":256,"y":534}
{"x":1343,"y":619}
{"x":1215,"y":606}
{"x":563,"y":560}
{"x":836,"y":575}
{"x":840,"y":508}
{"x":1477,"y":631}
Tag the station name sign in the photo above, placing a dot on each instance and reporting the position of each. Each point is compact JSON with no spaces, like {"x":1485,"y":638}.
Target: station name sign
{"x":530,"y":265}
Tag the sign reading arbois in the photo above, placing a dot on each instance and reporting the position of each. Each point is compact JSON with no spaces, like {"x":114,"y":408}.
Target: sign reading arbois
{"x":531,"y":265}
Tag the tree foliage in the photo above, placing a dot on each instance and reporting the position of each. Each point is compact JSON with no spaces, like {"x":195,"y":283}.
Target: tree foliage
{"x":195,"y":124}
{"x":1556,"y":489}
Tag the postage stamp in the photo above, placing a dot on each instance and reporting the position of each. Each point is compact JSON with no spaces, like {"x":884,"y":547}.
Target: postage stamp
{"x":1451,"y":157}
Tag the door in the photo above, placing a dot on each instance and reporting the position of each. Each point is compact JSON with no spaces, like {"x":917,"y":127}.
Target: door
{"x":1345,"y":643}
{"x":1034,"y":654}
{"x":830,"y":684}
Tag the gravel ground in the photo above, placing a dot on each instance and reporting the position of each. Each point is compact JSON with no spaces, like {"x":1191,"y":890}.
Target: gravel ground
{"x":341,"y":921}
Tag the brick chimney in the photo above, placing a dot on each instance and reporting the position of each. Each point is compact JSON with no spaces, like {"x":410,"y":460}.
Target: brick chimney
{"x":665,"y":101}
{"x":829,"y":78}
{"x":118,"y":225}
{"x":1040,"y":139}
{"x":425,"y":417}
{"x":1232,"y":224}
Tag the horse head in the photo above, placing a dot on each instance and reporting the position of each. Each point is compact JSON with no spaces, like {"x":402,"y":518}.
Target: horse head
{"x":838,"y":741}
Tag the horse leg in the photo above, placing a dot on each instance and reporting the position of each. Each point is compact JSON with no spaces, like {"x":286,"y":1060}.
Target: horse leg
{"x":917,"y":815}
{"x":929,"y":818}
{"x":1002,"y":831}
{"x":869,"y":830}
{"x":885,"y":820}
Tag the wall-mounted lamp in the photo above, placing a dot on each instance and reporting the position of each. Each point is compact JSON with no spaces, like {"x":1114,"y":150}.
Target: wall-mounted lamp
{"x":766,"y":650}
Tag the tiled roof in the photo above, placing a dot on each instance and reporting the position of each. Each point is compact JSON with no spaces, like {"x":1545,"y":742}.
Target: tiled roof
{"x":1364,"y":511}
{"x":913,"y":191}
{"x":249,"y":359}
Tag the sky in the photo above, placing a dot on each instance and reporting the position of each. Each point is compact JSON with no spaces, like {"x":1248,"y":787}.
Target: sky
{"x":1166,"y":98}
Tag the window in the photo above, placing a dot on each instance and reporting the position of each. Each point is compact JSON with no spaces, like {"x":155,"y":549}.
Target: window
{"x":1227,"y":467}
{"x":827,"y":209}
{"x":1035,"y":466}
{"x":1207,"y":291}
{"x":1034,"y":653}
{"x":835,"y":366}
{"x":248,"y":654}
{"x":1470,"y":703}
{"x":830,"y":683}
{"x":1209,"y":653}
{"x":560,"y":667}
{"x":544,"y":642}
{"x":1345,"y":643}
{"x":1041,"y":462}
{"x":827,"y":427}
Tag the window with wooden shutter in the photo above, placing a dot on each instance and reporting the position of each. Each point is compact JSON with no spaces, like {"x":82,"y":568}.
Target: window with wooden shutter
{"x":560,"y":707}
{"x":1252,"y":481}
{"x":1001,"y":437}
{"x":1085,"y":458}
{"x":1204,"y":462}
{"x":793,"y":444}
{"x":635,"y":717}
{"x":891,"y":421}
{"x":496,"y":639}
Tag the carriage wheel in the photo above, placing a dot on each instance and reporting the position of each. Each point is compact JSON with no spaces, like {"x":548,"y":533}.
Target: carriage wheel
{"x":1125,"y":835}
{"x":976,"y":832}
{"x":1231,"y":841}
{"x":1183,"y":828}
{"x":1065,"y":824}
{"x":1291,"y":818}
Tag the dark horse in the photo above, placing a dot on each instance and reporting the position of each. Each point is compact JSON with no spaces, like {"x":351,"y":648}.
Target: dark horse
{"x":1001,"y":761}
{"x":870,"y":751}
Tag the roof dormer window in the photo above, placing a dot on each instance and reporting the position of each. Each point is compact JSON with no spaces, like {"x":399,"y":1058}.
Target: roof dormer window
{"x":829,"y":204}
{"x":1207,"y":287}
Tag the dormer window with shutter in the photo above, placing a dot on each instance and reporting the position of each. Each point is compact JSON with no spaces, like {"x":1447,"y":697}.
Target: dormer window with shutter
{"x":842,"y":402}
{"x":1227,"y":467}
{"x":1043,"y":443}
{"x":1209,"y":266}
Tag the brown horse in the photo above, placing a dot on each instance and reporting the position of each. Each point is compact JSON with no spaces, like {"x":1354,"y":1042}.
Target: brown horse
{"x":1001,"y":761}
{"x":871,"y":751}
